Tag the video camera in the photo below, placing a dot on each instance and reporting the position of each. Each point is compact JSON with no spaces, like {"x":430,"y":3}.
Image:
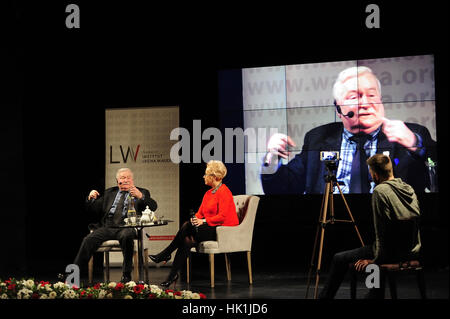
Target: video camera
{"x":326,"y":156}
{"x":330,"y":158}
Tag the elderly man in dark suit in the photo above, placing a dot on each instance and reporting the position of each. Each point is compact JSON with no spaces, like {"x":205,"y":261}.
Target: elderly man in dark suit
{"x":364,"y":131}
{"x":112,"y":208}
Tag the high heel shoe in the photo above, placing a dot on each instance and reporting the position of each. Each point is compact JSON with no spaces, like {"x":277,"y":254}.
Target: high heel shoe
{"x":169,"y":281}
{"x":157,"y":259}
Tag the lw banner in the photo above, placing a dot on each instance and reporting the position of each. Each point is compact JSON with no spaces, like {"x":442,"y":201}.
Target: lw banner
{"x":139,"y":138}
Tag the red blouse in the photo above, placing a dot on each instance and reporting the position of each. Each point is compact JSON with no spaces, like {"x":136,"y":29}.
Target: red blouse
{"x":218,"y":209}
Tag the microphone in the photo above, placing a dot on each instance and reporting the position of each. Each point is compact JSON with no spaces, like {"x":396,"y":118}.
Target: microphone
{"x":192,"y":215}
{"x":349,"y":114}
{"x":338,"y":109}
{"x":268,"y":159}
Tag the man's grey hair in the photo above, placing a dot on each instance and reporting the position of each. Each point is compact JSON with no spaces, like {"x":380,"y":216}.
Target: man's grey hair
{"x":338,"y":87}
{"x":124,"y":169}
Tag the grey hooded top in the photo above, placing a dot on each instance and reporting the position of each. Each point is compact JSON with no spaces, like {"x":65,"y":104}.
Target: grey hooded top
{"x":396,"y":219}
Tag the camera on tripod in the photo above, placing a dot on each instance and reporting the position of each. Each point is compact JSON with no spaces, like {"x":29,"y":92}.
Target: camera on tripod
{"x":328,"y":156}
{"x":331,"y":158}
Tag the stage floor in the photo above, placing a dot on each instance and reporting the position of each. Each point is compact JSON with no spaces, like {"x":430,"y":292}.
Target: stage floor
{"x":287,"y":284}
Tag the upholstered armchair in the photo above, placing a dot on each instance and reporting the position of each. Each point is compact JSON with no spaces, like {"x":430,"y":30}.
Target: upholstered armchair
{"x":231,"y":239}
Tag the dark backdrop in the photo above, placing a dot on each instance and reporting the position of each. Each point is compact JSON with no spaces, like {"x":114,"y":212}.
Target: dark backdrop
{"x":59,"y":82}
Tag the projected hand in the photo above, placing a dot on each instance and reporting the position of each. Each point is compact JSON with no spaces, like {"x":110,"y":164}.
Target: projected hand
{"x":93,"y":194}
{"x":278,"y":144}
{"x":397,"y":132}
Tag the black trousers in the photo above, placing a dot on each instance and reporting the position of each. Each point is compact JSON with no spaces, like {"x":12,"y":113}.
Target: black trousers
{"x":338,"y":269}
{"x":92,"y":242}
{"x":186,"y":238}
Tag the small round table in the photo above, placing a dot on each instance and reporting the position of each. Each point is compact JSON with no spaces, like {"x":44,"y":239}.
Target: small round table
{"x":140,"y":240}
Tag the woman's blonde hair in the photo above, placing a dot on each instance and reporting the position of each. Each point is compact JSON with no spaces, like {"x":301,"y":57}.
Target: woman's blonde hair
{"x":217,"y":168}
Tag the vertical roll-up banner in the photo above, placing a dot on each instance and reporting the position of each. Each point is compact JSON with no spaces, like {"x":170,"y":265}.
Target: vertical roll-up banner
{"x":139,"y":138}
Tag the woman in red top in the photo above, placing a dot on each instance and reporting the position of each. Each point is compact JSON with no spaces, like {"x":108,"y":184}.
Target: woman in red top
{"x":217,"y":209}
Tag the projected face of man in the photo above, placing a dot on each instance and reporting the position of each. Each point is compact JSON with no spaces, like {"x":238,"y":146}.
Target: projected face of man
{"x":361,"y":95}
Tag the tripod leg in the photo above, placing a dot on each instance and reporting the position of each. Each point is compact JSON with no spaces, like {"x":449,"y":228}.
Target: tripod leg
{"x":331,"y":204}
{"x":322,"y":235}
{"x":319,"y":262}
{"x":313,"y":256}
{"x":351,"y":216}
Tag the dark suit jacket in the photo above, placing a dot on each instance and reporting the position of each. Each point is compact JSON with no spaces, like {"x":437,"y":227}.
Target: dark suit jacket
{"x":102,"y":205}
{"x":305,"y":172}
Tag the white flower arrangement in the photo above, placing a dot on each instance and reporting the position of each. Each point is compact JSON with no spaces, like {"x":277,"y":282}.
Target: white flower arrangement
{"x":31,"y":289}
{"x":24,"y":293}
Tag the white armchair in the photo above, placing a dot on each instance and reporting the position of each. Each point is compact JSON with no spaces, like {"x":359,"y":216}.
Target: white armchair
{"x":232,"y":238}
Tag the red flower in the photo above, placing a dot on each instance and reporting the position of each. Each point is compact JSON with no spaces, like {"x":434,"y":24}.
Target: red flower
{"x":35,"y":296}
{"x":177,"y":293}
{"x":138,"y":288}
{"x":11,"y":286}
{"x":151,"y":296}
{"x":97,"y":286}
{"x":202,"y":296}
{"x":168,"y":290}
{"x":119,"y":286}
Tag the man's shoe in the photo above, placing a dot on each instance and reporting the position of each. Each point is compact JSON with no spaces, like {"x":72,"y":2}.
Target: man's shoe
{"x":125,"y":278}
{"x":374,"y":293}
{"x":61,"y":277}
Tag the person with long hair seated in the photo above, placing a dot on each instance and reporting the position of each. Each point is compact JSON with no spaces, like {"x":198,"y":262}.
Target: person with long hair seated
{"x":217,"y":209}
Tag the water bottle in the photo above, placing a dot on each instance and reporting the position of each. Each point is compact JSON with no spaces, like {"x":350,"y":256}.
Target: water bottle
{"x":131,"y":211}
{"x":432,"y":174}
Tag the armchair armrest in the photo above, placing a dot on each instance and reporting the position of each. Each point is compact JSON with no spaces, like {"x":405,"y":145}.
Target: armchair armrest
{"x":234,"y":238}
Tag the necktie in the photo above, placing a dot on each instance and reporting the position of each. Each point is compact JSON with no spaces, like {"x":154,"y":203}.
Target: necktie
{"x":119,"y":209}
{"x":359,"y":180}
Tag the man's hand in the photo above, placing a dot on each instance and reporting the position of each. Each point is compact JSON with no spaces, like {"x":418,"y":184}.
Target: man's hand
{"x":135,"y":192}
{"x":361,"y":264}
{"x":397,"y":132}
{"x":277,"y":144}
{"x":93,"y":194}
